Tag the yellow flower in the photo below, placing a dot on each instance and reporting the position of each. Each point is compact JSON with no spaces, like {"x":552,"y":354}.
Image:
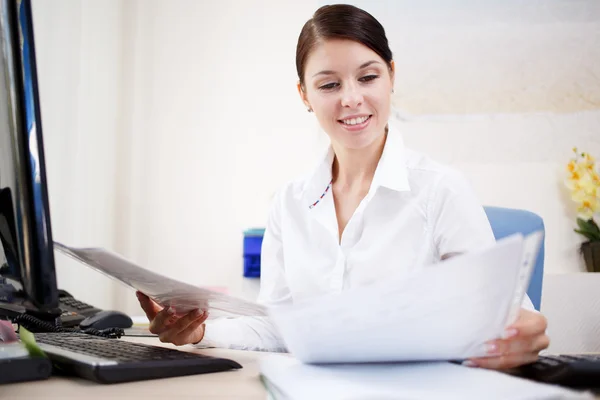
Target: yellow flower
{"x":589,"y":159}
{"x":583,"y":181}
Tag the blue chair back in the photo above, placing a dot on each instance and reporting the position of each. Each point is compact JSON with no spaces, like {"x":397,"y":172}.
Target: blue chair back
{"x":508,"y":221}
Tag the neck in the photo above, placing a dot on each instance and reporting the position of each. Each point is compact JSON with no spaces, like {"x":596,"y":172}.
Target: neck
{"x":355,"y":168}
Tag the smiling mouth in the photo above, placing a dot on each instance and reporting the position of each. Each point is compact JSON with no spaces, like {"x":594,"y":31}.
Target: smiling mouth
{"x":355,"y":121}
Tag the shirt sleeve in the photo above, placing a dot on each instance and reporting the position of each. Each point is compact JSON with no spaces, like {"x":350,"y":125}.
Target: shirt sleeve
{"x":460,"y":224}
{"x":258,"y":333}
{"x":459,"y":221}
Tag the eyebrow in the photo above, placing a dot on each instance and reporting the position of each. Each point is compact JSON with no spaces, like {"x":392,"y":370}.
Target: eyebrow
{"x":363,"y":66}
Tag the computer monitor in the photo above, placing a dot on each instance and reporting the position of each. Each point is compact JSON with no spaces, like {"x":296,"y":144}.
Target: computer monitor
{"x":25,"y":229}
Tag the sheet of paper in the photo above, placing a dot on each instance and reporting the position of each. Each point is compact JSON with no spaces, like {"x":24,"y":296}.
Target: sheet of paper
{"x":530,"y":253}
{"x":446,"y":311}
{"x":288,"y":378}
{"x":165,"y":291}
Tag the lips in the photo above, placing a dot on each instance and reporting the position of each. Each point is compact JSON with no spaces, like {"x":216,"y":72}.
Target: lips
{"x":355,"y":123}
{"x":355,"y":120}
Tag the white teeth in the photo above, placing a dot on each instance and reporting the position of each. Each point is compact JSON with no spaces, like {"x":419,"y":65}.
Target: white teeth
{"x":355,"y":121}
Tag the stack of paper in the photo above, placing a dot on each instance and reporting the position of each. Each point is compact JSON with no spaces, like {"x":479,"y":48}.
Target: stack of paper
{"x":446,"y":311}
{"x":287,"y":378}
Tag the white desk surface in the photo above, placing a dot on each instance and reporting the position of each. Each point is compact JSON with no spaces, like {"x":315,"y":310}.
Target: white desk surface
{"x":243,"y":384}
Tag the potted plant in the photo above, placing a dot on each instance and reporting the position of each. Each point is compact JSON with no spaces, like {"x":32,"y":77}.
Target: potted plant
{"x":583,"y":180}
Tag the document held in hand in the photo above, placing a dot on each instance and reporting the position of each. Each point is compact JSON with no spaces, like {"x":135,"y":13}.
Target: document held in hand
{"x":165,"y":291}
{"x":445,"y":311}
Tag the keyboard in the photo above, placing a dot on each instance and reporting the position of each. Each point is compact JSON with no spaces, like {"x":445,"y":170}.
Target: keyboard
{"x":107,"y":360}
{"x":576,"y":371}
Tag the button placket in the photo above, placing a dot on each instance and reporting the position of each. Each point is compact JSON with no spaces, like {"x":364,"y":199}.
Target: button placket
{"x":337,"y":281}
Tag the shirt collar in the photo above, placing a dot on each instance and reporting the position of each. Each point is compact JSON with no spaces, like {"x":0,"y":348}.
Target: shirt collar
{"x":391,"y":171}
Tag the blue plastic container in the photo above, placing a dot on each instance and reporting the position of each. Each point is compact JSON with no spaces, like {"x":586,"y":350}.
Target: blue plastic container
{"x":252,"y":246}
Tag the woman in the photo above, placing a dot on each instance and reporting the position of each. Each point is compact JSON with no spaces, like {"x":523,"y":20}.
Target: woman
{"x":370,"y":209}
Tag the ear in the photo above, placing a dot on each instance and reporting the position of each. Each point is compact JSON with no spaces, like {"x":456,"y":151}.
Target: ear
{"x":302,"y":94}
{"x":393,"y":72}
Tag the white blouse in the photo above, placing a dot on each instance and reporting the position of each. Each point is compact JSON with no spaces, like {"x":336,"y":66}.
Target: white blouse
{"x":416,"y":212}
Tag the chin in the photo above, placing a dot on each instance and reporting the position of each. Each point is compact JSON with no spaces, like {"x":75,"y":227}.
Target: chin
{"x":359,"y":140}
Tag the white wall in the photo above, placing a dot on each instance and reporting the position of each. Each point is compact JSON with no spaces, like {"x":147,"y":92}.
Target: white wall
{"x":169,"y":125}
{"x":79,"y":68}
{"x":220,"y":127}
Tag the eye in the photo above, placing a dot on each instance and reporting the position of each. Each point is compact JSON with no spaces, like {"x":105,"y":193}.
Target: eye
{"x":329,"y":86}
{"x":368,"y":78}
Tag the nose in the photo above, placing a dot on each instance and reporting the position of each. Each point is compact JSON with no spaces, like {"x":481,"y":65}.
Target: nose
{"x":351,"y":96}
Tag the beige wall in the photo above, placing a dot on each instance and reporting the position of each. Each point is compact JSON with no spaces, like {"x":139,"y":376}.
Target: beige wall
{"x":510,"y":56}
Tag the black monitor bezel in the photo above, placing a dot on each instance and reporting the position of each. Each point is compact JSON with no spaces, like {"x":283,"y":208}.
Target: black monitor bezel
{"x":33,"y":230}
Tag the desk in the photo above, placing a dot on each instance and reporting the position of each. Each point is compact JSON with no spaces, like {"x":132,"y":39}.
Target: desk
{"x":242,"y":384}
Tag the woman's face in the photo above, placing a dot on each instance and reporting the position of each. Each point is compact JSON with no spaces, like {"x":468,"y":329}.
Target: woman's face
{"x":348,"y":86}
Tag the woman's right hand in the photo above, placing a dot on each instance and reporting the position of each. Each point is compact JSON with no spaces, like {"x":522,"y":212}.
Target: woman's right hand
{"x":171,"y":327}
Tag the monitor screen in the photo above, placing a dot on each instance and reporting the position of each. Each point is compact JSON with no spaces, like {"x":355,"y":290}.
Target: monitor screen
{"x":25,"y":229}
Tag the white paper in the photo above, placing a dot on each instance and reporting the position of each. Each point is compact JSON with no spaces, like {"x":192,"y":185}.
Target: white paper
{"x":287,"y":378}
{"x":530,"y":253}
{"x":165,"y":291}
{"x":446,"y":311}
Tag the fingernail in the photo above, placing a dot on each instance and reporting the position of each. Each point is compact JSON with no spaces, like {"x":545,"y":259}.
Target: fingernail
{"x":491,"y":348}
{"x":469,"y":364}
{"x":170,"y":311}
{"x":198,"y":313}
{"x":510,"y":333}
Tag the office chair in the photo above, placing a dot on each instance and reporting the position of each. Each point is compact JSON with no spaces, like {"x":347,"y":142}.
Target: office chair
{"x":508,"y":221}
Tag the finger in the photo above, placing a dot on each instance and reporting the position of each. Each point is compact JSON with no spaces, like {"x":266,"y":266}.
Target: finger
{"x":148,"y":305}
{"x":188,"y":319}
{"x":193,"y":334}
{"x":163,"y":320}
{"x":540,"y":343}
{"x":515,"y":345}
{"x":529,"y":324}
{"x":175,"y":334}
{"x":505,"y":361}
{"x":518,"y":345}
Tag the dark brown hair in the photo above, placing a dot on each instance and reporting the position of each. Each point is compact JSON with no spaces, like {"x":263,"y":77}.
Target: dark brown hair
{"x":341,"y":21}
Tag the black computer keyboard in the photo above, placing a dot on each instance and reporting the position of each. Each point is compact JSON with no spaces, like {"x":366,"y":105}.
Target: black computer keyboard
{"x":577,"y":371}
{"x":114,"y":360}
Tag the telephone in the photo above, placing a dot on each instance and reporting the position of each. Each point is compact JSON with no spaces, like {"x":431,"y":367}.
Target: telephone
{"x":73,"y":311}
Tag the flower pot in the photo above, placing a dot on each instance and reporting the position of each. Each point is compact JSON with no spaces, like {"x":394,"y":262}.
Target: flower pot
{"x":591,"y":255}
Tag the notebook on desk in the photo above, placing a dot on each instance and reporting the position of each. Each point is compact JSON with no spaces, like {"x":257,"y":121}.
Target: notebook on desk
{"x":286,"y":378}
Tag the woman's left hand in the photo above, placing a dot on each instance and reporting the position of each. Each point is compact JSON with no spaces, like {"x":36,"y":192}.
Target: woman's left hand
{"x":520,"y":345}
